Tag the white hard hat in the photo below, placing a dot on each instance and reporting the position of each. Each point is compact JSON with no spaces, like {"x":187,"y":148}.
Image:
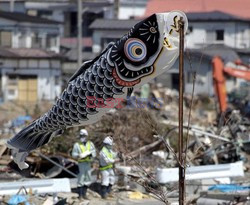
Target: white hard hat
{"x":108,"y":140}
{"x":84,"y":132}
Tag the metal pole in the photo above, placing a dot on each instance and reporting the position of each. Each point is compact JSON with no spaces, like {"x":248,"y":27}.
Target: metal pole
{"x":116,"y":8}
{"x":79,"y":27}
{"x":181,"y":90}
{"x":55,"y":163}
{"x":12,"y":5}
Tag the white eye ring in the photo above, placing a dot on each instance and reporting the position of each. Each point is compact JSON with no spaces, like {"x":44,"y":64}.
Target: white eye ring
{"x":135,"y":49}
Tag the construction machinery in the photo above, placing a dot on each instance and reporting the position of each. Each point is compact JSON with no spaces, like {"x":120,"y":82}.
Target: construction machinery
{"x":219,"y":71}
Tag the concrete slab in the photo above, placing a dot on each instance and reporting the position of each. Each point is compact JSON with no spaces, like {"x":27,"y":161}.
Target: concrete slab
{"x":36,"y":185}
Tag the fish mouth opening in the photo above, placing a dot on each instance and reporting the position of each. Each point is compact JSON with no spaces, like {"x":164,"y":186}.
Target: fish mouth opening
{"x":128,"y":77}
{"x":122,"y":82}
{"x":131,"y":75}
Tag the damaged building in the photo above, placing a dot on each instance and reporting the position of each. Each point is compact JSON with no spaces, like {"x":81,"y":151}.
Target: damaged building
{"x":30,"y":64}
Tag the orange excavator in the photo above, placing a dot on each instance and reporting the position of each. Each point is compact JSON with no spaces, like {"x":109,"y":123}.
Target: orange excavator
{"x":220,"y":82}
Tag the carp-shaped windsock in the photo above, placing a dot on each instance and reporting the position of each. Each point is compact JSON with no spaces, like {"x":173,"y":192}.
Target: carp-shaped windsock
{"x":149,"y":48}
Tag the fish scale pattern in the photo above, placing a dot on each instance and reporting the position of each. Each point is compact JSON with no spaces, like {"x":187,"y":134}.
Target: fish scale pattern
{"x":81,"y":97}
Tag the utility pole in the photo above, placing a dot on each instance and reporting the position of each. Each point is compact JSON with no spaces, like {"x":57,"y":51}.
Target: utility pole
{"x":12,"y":5}
{"x":181,"y":91}
{"x":79,"y":27}
{"x":116,"y":8}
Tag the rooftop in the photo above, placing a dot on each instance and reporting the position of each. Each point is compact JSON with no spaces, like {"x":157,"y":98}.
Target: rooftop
{"x":235,"y":7}
{"x":72,"y":54}
{"x":21,"y":17}
{"x":228,"y":54}
{"x":214,"y":16}
{"x":120,"y":24}
{"x":91,"y":5}
{"x":73,"y":42}
{"x":113,"y":24}
{"x":27,"y":53}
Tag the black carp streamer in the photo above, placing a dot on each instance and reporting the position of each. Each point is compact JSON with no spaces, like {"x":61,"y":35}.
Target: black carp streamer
{"x":146,"y":51}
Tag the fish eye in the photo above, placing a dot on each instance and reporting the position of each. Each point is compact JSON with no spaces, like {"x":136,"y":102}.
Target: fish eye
{"x":135,"y":49}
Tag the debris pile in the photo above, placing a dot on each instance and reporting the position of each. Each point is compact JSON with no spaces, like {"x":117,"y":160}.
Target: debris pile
{"x":145,"y":136}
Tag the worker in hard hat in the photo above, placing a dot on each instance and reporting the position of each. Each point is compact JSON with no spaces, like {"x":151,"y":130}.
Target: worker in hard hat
{"x":84,"y":151}
{"x":107,"y":160}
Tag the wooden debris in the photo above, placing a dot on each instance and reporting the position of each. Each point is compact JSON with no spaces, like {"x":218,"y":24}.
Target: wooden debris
{"x":143,"y":149}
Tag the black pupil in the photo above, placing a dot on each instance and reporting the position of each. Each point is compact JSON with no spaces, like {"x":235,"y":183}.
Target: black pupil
{"x":138,"y":51}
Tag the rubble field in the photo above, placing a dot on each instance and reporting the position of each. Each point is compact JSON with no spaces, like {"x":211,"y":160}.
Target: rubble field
{"x":145,"y":135}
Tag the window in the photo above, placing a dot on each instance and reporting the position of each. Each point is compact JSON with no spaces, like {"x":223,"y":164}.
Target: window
{"x":5,"y":38}
{"x":73,"y":24}
{"x":57,"y":80}
{"x":32,"y":12}
{"x":12,"y":80}
{"x":213,"y":36}
{"x":11,"y":92}
{"x":23,"y":63}
{"x":22,"y":40}
{"x":44,"y":64}
{"x":219,"y":35}
{"x":210,"y":36}
{"x":1,"y":91}
{"x":51,"y":41}
{"x":44,"y":14}
{"x":55,"y":63}
{"x":36,"y":41}
{"x":32,"y":63}
{"x":190,"y":29}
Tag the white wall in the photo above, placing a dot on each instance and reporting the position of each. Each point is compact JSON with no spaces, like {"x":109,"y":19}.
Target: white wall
{"x":45,"y":70}
{"x":197,"y":37}
{"x":56,"y":48}
{"x":243,"y":35}
{"x":18,"y":6}
{"x":46,"y":84}
{"x":236,"y":35}
{"x":15,"y":39}
{"x":125,"y":12}
{"x":4,"y":83}
{"x":28,"y":30}
{"x":204,"y":81}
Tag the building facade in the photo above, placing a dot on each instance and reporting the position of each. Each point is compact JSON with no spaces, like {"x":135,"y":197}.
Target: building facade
{"x":19,"y":30}
{"x":129,"y":9}
{"x":30,"y":64}
{"x":209,"y":34}
{"x":209,"y":28}
{"x":29,"y":75}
